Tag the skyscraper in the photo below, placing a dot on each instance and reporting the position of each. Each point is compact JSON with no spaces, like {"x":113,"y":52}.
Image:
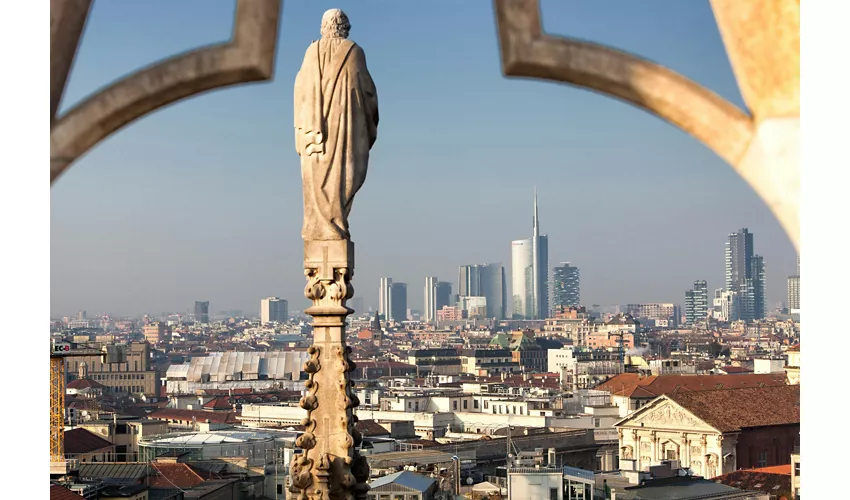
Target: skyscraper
{"x":202,"y":312}
{"x":273,"y":309}
{"x":430,"y":299}
{"x":485,"y":280}
{"x":700,"y":300}
{"x":443,"y":294}
{"x":745,"y":274}
{"x":690,"y":316}
{"x":530,"y":273}
{"x":398,"y":302}
{"x":493,"y":286}
{"x":565,"y":286}
{"x":794,"y":293}
{"x":385,"y":298}
{"x":468,"y":280}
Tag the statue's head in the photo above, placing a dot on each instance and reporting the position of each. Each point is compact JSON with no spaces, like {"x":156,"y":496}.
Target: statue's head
{"x":335,"y":24}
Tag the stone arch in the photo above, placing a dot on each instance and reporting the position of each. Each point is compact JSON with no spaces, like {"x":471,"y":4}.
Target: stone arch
{"x":247,"y":57}
{"x":762,"y":39}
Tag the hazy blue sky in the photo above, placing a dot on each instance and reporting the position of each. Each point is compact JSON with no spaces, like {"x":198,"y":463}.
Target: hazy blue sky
{"x":202,"y":200}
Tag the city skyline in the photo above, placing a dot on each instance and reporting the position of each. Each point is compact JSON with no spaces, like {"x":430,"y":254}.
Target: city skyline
{"x":236,"y":154}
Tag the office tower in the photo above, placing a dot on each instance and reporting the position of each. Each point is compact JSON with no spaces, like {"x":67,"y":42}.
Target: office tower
{"x":739,"y":253}
{"x":700,"y":300}
{"x":385,"y":299}
{"x":443,"y":294}
{"x":690,"y":317}
{"x":273,"y":309}
{"x":565,"y":286}
{"x":430,"y":299}
{"x":493,"y":287}
{"x":485,"y":280}
{"x":202,"y":312}
{"x":468,"y":280}
{"x":398,"y":302}
{"x":530,"y":273}
{"x":794,"y":293}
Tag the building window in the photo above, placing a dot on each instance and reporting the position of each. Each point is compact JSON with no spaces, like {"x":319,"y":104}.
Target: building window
{"x":486,"y":404}
{"x":553,"y":493}
{"x":465,"y":403}
{"x":596,"y":422}
{"x":475,"y":404}
{"x":797,"y":469}
{"x":670,"y":454}
{"x":762,"y":459}
{"x":280,"y":489}
{"x":454,"y":405}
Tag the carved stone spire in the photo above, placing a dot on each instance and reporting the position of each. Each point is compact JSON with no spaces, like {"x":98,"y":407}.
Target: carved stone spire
{"x":330,"y":466}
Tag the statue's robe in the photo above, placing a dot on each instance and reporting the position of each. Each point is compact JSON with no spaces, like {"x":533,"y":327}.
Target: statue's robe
{"x":336,"y":124}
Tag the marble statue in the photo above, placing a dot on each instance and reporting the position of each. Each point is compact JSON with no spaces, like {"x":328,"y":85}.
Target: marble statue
{"x":336,"y":124}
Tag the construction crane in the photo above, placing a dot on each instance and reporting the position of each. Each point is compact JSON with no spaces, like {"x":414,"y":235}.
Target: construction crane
{"x":58,"y":352}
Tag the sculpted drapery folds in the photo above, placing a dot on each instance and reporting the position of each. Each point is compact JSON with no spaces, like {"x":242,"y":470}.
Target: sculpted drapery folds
{"x":336,"y":125}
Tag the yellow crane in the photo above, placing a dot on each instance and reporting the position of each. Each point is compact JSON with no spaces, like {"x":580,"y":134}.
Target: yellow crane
{"x":58,"y":352}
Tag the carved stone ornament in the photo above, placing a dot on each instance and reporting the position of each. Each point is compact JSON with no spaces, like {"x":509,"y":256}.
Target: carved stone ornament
{"x":672,"y":416}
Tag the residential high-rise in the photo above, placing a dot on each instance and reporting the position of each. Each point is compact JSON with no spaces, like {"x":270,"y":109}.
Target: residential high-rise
{"x":202,"y":312}
{"x":565,"y":286}
{"x":273,"y":309}
{"x":430,"y":299}
{"x":690,"y":316}
{"x":745,"y":275}
{"x":385,"y":299}
{"x":398,"y":302}
{"x":443,"y":294}
{"x":700,"y":300}
{"x":530,"y":273}
{"x":757,"y":277}
{"x":794,"y":293}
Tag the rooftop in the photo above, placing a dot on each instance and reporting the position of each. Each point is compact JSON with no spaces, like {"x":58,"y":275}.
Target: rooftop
{"x":81,"y":441}
{"x":635,"y":386}
{"x":734,"y":409}
{"x":405,"y":478}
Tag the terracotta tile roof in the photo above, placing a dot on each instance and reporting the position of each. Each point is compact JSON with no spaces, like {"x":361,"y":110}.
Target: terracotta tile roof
{"x":218,"y":403}
{"x":634,"y":386}
{"x":775,"y":469}
{"x":734,"y":409}
{"x":216,"y":417}
{"x":83,"y":383}
{"x":170,"y":475}
{"x":81,"y":441}
{"x":371,"y":428}
{"x":777,"y":485}
{"x":61,"y":493}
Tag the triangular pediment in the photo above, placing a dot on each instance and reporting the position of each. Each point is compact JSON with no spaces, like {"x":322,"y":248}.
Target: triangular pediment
{"x":665,"y":414}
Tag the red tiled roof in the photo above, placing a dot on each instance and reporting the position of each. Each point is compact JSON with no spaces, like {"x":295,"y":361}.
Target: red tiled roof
{"x":170,"y":475}
{"x":735,"y":409}
{"x":216,"y":417}
{"x":218,"y":403}
{"x":371,"y":428}
{"x":777,"y":485}
{"x":736,"y":369}
{"x":61,"y":493}
{"x":83,"y":383}
{"x":81,"y":441}
{"x":634,"y":386}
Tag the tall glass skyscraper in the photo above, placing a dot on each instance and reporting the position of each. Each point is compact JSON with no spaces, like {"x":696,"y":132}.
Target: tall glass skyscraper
{"x":443,"y":294}
{"x":565,"y":286}
{"x":485,"y":280}
{"x":385,"y":299}
{"x":529,"y":273}
{"x":431,"y":299}
{"x":398,"y":300}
